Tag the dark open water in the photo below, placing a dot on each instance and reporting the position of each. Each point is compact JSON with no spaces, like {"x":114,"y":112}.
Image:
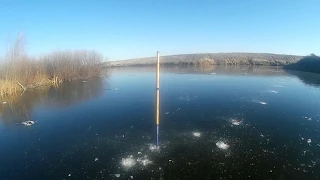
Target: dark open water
{"x":217,"y":123}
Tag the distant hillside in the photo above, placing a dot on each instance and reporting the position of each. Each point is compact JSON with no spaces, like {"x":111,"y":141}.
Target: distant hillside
{"x":308,"y":64}
{"x":212,"y":59}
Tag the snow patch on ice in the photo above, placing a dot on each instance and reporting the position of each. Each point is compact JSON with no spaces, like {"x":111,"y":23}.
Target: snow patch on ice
{"x":235,"y":122}
{"x":196,"y":134}
{"x":128,"y":162}
{"x":222,"y":145}
{"x":309,"y":141}
{"x":28,"y":123}
{"x":144,"y":161}
{"x":153,"y":147}
{"x":273,"y":91}
{"x":277,"y":86}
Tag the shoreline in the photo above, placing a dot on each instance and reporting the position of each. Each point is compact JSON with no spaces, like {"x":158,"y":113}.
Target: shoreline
{"x":207,"y":59}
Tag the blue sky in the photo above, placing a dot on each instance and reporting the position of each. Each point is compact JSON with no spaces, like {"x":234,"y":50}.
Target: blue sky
{"x":123,"y":29}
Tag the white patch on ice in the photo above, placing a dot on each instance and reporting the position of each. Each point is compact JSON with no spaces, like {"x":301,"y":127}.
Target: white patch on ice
{"x":185,"y":98}
{"x":196,"y":134}
{"x":273,"y":91}
{"x":28,"y":123}
{"x":153,"y":147}
{"x":139,"y":152}
{"x":263,"y":103}
{"x":69,"y":175}
{"x":115,"y":89}
{"x":4,"y":102}
{"x":222,"y":145}
{"x":235,"y":122}
{"x":167,"y":112}
{"x":117,"y":175}
{"x":144,"y":161}
{"x":84,"y":81}
{"x":131,"y":177}
{"x":309,"y":141}
{"x":128,"y":162}
{"x":277,"y":86}
{"x":307,"y":118}
{"x":302,"y":138}
{"x":213,"y":73}
{"x":96,"y":159}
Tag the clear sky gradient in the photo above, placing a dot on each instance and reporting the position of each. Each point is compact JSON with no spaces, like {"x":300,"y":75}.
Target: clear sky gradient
{"x":123,"y":29}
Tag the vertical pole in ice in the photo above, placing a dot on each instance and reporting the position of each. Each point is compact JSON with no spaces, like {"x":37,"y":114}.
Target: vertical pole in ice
{"x":158,"y":96}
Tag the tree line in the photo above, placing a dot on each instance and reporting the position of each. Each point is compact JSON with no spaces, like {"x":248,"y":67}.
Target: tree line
{"x":19,"y":72}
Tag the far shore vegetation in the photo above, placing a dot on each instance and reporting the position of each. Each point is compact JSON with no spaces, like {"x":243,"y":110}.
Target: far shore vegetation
{"x":309,"y":63}
{"x":20,"y":72}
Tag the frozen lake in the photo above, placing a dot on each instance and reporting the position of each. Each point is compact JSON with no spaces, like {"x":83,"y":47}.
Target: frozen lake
{"x":222,"y":122}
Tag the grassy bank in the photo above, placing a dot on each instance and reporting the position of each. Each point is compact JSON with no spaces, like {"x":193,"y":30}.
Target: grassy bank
{"x":18,"y":72}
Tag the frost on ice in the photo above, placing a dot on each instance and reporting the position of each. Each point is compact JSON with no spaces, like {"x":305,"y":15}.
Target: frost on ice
{"x":144,"y":161}
{"x":222,"y":145}
{"x":153,"y":147}
{"x":273,"y":91}
{"x":309,"y":141}
{"x":128,"y":162}
{"x":28,"y":123}
{"x":308,"y":118}
{"x":196,"y":134}
{"x":235,"y":122}
{"x":263,"y":103}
